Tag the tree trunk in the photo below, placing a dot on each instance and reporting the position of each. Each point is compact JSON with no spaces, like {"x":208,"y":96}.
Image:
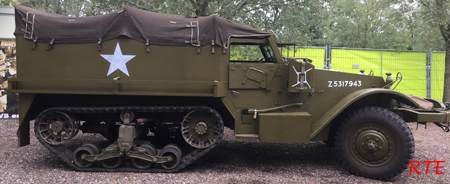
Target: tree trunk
{"x":445,"y":32}
{"x":446,"y":96}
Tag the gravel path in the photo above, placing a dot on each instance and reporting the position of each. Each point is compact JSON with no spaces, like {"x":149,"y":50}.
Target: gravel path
{"x":232,"y":161}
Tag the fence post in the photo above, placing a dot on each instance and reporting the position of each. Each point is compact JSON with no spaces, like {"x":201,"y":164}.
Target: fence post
{"x":325,"y":58}
{"x":429,"y":64}
{"x":328,"y":57}
{"x":381,"y":68}
{"x":294,"y":50}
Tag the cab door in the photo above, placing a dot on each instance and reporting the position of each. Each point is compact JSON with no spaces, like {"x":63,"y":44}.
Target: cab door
{"x":253,"y":76}
{"x":252,"y":82}
{"x":252,"y":66}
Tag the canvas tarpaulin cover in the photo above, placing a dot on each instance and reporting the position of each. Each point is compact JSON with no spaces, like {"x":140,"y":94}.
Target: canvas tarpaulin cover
{"x":144,"y":26}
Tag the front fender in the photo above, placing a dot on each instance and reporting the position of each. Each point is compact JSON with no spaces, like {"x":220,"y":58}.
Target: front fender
{"x":354,"y":97}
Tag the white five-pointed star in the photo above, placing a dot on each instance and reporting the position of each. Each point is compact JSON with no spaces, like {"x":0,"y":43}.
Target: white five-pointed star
{"x":118,"y":60}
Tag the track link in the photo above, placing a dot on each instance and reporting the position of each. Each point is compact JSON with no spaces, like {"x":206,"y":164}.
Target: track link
{"x":66,"y":155}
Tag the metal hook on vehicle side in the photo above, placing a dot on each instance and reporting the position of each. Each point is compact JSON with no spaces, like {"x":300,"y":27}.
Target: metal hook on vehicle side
{"x":445,"y":128}
{"x":34,"y":43}
{"x":50,"y":45}
{"x":99,"y":44}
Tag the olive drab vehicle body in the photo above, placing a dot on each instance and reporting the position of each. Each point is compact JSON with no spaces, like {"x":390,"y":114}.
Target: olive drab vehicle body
{"x":161,"y":88}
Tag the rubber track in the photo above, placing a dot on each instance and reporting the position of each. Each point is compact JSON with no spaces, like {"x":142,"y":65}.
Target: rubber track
{"x":66,"y":155}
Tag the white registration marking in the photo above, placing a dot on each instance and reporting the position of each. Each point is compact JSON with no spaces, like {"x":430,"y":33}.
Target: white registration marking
{"x":339,"y":84}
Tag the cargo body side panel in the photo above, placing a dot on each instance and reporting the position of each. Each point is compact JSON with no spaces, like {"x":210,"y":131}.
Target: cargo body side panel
{"x":80,"y":69}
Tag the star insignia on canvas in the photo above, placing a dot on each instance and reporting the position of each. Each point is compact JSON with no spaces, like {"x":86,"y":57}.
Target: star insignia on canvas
{"x":118,"y":61}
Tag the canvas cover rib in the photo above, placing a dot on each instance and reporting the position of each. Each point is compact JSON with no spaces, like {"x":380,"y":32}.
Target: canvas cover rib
{"x":140,"y":25}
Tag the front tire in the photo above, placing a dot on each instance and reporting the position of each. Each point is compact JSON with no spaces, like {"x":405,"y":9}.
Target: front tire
{"x":374,"y":142}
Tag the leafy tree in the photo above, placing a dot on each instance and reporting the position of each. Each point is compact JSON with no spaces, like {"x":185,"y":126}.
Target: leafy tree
{"x":367,"y":24}
{"x":423,"y":35}
{"x":296,"y":21}
{"x":436,"y":15}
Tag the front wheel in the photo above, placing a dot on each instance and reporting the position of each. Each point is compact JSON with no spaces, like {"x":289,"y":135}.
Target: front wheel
{"x":374,"y":142}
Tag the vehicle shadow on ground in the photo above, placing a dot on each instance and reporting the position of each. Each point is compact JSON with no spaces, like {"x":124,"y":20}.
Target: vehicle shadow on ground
{"x":269,"y":157}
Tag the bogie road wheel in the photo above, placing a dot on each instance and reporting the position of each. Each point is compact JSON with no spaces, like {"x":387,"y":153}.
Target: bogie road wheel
{"x":143,"y":164}
{"x":374,"y":142}
{"x":94,"y":147}
{"x":174,"y":153}
{"x":80,"y":153}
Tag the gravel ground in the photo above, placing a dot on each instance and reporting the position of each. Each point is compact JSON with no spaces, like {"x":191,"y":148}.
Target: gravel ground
{"x":232,"y":161}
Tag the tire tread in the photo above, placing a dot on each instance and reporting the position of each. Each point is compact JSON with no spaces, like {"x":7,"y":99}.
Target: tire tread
{"x":397,"y":123}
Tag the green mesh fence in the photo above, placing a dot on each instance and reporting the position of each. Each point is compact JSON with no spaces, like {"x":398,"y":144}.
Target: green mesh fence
{"x":412,"y":65}
{"x":437,"y":75}
{"x":352,"y":61}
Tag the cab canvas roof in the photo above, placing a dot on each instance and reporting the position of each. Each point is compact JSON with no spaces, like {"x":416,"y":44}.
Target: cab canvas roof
{"x":144,"y":26}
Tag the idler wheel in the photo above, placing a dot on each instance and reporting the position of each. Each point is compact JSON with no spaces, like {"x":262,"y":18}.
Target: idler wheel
{"x":80,"y":153}
{"x":144,"y":164}
{"x":55,"y":127}
{"x":174,"y":153}
{"x":202,"y":128}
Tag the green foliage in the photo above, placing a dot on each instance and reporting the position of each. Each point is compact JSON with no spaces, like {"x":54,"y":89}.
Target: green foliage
{"x":292,"y":21}
{"x":245,"y":53}
{"x":9,"y":2}
{"x":429,"y":16}
{"x":367,"y":24}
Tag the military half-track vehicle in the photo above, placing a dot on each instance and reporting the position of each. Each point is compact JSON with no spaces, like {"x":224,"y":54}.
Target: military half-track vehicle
{"x":161,"y":88}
